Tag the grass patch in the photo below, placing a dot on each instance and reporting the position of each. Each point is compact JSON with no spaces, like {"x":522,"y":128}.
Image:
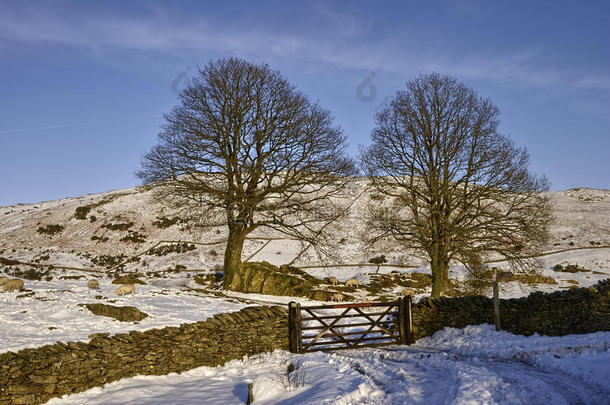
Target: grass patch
{"x":134,"y":237}
{"x":82,"y":211}
{"x":165,"y":222}
{"x":570,"y":268}
{"x":108,"y":261}
{"x":118,"y":226}
{"x":171,"y":248}
{"x":51,"y":229}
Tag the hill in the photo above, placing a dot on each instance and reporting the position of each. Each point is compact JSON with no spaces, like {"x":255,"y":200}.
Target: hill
{"x":128,"y":231}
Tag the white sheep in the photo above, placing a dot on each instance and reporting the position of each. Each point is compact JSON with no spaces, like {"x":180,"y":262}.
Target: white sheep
{"x":337,"y":297}
{"x":333,"y":280}
{"x":13,"y":284}
{"x":93,"y":284}
{"x":352,"y":282}
{"x":3,"y":280}
{"x":125,"y":289}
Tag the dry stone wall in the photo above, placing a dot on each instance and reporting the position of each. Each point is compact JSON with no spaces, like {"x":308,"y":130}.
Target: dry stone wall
{"x":578,"y":310}
{"x":265,"y":278}
{"x":33,"y":376}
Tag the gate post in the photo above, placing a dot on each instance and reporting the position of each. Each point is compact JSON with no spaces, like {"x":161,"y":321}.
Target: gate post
{"x":405,"y":320}
{"x":409,"y":309}
{"x":292,"y":306}
{"x":294,"y":326}
{"x":401,"y":321}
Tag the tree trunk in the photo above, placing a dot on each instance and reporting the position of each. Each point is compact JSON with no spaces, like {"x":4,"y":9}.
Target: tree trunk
{"x":235,"y":245}
{"x":440,"y":275}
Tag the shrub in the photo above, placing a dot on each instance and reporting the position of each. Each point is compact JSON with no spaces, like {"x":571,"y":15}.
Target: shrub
{"x":134,"y":236}
{"x":177,"y":269}
{"x":82,"y":212}
{"x":119,"y":226}
{"x":380,"y":281}
{"x":378,"y":260}
{"x":570,"y":268}
{"x":165,"y":222}
{"x":29,"y":274}
{"x":127,"y":280}
{"x":50,"y":229}
{"x":171,"y":248}
{"x":108,"y":261}
{"x":417,"y":280}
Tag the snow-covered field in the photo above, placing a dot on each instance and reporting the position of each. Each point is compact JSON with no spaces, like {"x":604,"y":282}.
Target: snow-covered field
{"x":52,"y":313}
{"x":474,"y":365}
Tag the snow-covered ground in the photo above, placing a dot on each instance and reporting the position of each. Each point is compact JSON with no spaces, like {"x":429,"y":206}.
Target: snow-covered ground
{"x":474,"y":365}
{"x":52,"y":313}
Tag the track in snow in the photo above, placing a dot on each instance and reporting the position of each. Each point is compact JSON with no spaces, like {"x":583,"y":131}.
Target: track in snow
{"x":420,"y":376}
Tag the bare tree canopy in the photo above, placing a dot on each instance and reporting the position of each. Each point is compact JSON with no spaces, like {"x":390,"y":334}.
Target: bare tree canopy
{"x":460,"y":190}
{"x":245,"y":142}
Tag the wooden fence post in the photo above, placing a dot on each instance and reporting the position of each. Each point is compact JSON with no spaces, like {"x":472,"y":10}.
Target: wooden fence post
{"x":292,"y":328}
{"x":250,"y":395}
{"x":297,"y":321}
{"x":496,"y":300}
{"x":402,"y":314}
{"x":409,"y":308}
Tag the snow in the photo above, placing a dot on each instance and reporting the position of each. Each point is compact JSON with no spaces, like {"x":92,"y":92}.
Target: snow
{"x":474,"y":365}
{"x":278,"y":252}
{"x":52,"y":312}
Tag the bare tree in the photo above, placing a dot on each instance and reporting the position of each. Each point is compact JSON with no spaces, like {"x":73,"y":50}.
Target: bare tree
{"x":245,"y":143}
{"x":460,"y":190}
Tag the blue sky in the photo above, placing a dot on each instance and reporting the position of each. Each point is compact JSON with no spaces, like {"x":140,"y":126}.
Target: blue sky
{"x":84,"y":85}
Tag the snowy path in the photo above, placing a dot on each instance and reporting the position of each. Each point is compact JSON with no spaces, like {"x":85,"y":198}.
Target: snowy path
{"x":418,"y":376}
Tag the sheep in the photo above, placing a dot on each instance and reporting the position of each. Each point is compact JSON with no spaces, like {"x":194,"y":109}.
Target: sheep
{"x":333,"y":280}
{"x":337,"y":297}
{"x":352,"y":282}
{"x":13,"y":284}
{"x":125,"y":289}
{"x":408,"y":291}
{"x":3,"y":280}
{"x":93,"y":284}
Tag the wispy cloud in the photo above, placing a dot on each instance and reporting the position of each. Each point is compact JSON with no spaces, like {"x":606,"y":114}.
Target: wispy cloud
{"x":18,"y":131}
{"x":594,"y":82}
{"x":159,"y":32}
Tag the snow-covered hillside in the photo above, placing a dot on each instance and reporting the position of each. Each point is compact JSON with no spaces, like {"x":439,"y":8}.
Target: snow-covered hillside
{"x":117,"y":229}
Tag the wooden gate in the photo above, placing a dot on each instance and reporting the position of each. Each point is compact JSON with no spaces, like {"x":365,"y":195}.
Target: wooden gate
{"x":358,"y":325}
